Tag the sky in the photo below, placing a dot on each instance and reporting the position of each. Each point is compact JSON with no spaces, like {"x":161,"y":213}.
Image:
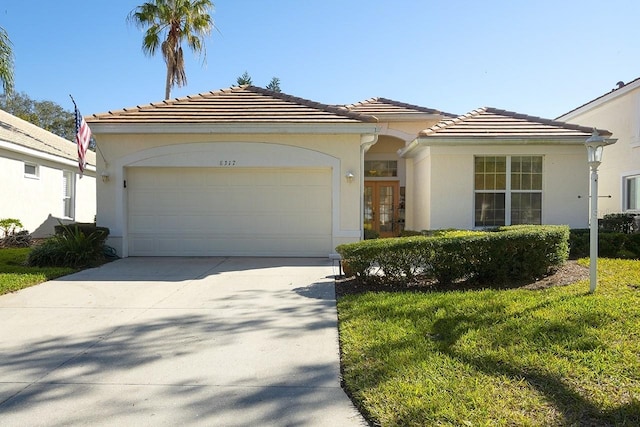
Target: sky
{"x":537,"y":57}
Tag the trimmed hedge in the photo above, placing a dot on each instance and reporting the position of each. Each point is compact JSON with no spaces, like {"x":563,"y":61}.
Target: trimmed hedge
{"x":506,"y":254}
{"x":610,"y":245}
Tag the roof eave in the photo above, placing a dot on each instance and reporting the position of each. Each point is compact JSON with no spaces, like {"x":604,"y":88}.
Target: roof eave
{"x":232,"y":128}
{"x":603,"y":99}
{"x":430,"y":141}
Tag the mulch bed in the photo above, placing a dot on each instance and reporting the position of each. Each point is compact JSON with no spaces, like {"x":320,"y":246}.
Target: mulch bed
{"x":570,"y":272}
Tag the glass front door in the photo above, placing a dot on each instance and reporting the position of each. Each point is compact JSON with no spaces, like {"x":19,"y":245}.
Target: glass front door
{"x":381,"y":207}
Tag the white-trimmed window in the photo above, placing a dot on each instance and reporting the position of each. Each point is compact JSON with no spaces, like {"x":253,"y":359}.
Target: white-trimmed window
{"x":631,"y":187}
{"x":507,"y":190}
{"x":68,"y":194}
{"x":31,"y":170}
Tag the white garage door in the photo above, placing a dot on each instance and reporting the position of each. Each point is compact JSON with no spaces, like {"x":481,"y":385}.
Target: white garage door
{"x":234,"y":211}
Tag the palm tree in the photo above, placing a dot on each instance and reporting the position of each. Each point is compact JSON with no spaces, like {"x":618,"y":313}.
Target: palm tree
{"x":168,"y":23}
{"x":6,"y":62}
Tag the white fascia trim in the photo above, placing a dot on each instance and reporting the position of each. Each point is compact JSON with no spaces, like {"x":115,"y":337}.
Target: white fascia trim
{"x":599,"y":101}
{"x":41,"y":155}
{"x":412,"y":148}
{"x":239,"y":128}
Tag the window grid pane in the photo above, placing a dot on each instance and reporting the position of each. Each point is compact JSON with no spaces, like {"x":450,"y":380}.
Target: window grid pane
{"x":490,"y":209}
{"x":526,"y":208}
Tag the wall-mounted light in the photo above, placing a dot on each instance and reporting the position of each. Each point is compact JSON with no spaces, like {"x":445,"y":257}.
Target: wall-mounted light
{"x":349,"y":176}
{"x":105,"y":176}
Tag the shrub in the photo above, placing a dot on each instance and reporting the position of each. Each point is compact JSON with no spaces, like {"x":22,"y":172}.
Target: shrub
{"x":70,"y":248}
{"x":610,"y":244}
{"x":619,"y":223}
{"x":510,"y":253}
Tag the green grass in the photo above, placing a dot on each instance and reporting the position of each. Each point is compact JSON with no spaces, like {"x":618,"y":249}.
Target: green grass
{"x":558,"y":356}
{"x":14,"y":275}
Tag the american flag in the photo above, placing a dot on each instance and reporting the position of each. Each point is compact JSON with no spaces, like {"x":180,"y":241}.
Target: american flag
{"x":83,"y":136}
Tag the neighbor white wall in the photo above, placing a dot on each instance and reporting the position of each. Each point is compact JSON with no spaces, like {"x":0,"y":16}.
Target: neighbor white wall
{"x":38,"y":203}
{"x":619,"y":113}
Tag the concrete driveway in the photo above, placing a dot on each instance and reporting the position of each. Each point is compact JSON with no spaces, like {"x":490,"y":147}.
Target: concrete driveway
{"x":176,"y":341}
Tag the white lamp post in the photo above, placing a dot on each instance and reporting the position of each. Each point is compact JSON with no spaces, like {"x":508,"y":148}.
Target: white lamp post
{"x":595,"y":146}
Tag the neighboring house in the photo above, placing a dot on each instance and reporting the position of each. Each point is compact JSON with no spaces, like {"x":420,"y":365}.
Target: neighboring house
{"x":248,"y":171}
{"x":619,"y":173}
{"x":39,"y":178}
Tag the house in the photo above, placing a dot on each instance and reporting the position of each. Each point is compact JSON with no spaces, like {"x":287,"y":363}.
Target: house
{"x":619,"y":173}
{"x":40,"y":181}
{"x":247,"y":171}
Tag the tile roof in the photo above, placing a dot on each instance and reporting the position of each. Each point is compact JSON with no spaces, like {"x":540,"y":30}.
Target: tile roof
{"x":25,"y":134}
{"x":238,"y":104}
{"x":380,"y":106}
{"x":490,"y":122}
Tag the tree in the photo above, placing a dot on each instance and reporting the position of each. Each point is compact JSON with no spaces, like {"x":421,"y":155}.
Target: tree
{"x":45,"y":114}
{"x":6,"y":62}
{"x":274,"y":85}
{"x":168,"y":24}
{"x":244,"y":79}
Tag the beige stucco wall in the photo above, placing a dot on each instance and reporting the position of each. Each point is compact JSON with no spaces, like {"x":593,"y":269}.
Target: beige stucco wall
{"x":340,"y":152}
{"x":38,"y":202}
{"x":444,"y":193}
{"x":621,"y":116}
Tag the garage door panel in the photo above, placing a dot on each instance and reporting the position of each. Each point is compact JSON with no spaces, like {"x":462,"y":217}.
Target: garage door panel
{"x":214,"y":211}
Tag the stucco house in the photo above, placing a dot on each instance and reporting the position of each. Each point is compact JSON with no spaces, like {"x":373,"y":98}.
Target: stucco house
{"x":248,"y":171}
{"x":39,"y":178}
{"x":619,"y":173}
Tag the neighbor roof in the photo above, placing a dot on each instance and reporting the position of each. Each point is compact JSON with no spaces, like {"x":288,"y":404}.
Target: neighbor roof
{"x":502,"y":124}
{"x":381,"y":106}
{"x":239,"y":104}
{"x":20,"y":132}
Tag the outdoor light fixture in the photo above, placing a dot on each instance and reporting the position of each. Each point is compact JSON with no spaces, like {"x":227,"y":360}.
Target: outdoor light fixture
{"x":595,"y":147}
{"x":105,"y":176}
{"x":349,"y":176}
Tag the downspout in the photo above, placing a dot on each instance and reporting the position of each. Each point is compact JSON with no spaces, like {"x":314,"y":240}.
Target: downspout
{"x":366,"y":142}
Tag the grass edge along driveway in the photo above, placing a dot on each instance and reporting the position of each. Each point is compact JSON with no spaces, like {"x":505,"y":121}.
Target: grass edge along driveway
{"x":15,"y":275}
{"x":558,"y":356}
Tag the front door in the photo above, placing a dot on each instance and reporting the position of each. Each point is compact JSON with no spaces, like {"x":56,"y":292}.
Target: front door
{"x":381,"y":207}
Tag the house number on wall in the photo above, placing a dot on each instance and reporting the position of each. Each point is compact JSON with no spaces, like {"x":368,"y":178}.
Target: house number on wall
{"x":228,"y":162}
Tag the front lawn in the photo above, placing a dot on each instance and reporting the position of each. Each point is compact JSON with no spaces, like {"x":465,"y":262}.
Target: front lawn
{"x":14,"y":275}
{"x":557,"y":356}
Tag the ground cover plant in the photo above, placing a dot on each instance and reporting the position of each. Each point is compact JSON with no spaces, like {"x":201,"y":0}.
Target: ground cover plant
{"x":551,"y":356}
{"x":15,"y":274}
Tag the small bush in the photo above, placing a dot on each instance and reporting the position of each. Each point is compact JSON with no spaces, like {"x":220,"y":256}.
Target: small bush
{"x":70,"y":248}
